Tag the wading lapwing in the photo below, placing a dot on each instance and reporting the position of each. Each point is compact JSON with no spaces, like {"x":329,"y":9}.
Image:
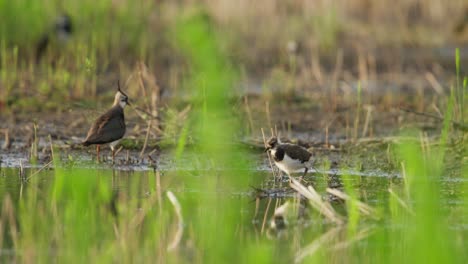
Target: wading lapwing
{"x":61,"y":32}
{"x":289,"y":157}
{"x":109,"y":127}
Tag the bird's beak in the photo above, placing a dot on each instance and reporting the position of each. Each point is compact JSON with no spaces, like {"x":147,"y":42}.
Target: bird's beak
{"x":267,"y":149}
{"x":128,"y":103}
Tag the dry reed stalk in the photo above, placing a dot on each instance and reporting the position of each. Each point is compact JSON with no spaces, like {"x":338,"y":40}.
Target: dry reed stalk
{"x":401,"y":202}
{"x":365,"y":128}
{"x":316,"y":201}
{"x":312,"y":247}
{"x":249,"y":113}
{"x":8,"y":214}
{"x":363,"y":208}
{"x":265,"y":216}
{"x":39,"y":170}
{"x":268,"y":114}
{"x":365,"y":232}
{"x":180,"y":222}
{"x":7,"y":143}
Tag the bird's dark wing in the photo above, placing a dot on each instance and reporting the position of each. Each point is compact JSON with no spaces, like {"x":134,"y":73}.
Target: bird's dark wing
{"x":297,"y":152}
{"x":107,"y":128}
{"x":279,"y":154}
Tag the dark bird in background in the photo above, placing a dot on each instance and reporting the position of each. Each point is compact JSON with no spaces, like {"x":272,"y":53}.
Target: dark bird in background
{"x":61,"y":32}
{"x":462,"y":22}
{"x":109,"y":127}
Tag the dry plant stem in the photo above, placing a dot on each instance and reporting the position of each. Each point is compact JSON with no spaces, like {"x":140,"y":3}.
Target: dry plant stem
{"x":8,"y":214}
{"x":180,"y":223}
{"x":267,"y":111}
{"x":316,"y":71}
{"x":257,"y":205}
{"x":146,"y":139}
{"x":405,"y":180}
{"x":158,"y":190}
{"x":395,"y":139}
{"x":359,"y":236}
{"x":140,"y":82}
{"x":1,"y":233}
{"x":139,"y":112}
{"x":363,"y":208}
{"x":401,"y":202}
{"x":7,"y":143}
{"x":367,"y":121}
{"x":336,"y":73}
{"x":98,"y":149}
{"x":118,"y":150}
{"x":311,"y":248}
{"x":249,"y":113}
{"x":21,"y":171}
{"x":21,"y":191}
{"x":145,"y":208}
{"x":269,"y":160}
{"x":363,"y":69}
{"x":39,"y":170}
{"x":316,"y":201}
{"x":265,"y":216}
{"x":434,"y":83}
{"x":34,"y":143}
{"x":327,"y":126}
{"x":51,"y":149}
{"x":269,"y":199}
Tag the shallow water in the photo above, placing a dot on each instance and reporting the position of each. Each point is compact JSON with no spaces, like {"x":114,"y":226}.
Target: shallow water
{"x":252,"y":203}
{"x":16,"y":172}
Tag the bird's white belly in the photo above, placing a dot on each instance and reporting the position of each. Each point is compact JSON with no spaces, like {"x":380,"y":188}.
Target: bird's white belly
{"x":289,"y":165}
{"x":114,"y":143}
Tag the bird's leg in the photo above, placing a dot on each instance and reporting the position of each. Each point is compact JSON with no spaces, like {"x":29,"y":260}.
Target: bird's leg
{"x":113,"y":155}
{"x":98,"y":148}
{"x":303,"y":175}
{"x":277,"y":178}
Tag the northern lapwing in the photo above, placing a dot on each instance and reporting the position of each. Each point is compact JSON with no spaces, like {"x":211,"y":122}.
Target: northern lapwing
{"x":109,"y":127}
{"x":289,"y":157}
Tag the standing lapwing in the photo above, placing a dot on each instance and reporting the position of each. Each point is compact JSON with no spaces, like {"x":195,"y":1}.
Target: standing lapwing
{"x":109,"y":127}
{"x":289,"y":157}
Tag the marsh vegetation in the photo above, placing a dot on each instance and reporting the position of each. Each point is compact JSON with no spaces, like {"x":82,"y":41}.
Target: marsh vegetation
{"x":377,"y":91}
